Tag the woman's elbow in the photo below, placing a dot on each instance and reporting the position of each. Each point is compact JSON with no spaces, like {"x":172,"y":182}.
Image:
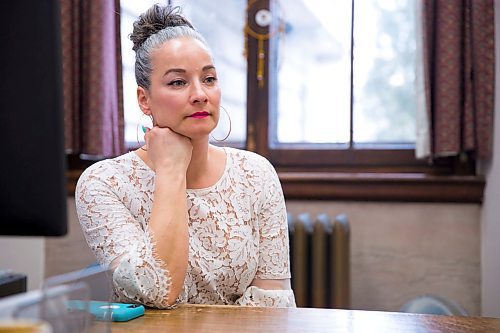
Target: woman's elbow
{"x":269,"y":284}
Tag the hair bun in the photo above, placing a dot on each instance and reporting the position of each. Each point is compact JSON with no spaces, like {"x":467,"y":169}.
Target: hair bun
{"x":155,"y":19}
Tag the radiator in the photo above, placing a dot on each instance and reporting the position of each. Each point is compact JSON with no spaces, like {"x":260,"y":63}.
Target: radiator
{"x":320,"y":260}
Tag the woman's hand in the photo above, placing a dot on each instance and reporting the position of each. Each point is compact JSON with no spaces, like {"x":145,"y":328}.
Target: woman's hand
{"x":168,"y":151}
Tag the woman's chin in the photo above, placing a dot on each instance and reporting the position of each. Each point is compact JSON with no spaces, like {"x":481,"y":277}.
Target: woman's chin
{"x":197,"y":133}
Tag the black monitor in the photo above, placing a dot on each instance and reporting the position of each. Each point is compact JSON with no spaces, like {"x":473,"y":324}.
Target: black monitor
{"x":33,"y":165}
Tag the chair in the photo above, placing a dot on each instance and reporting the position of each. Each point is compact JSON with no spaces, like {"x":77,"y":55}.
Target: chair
{"x":431,"y":304}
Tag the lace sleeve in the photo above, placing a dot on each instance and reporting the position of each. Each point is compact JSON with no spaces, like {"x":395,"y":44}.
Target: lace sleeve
{"x":273,"y":244}
{"x":119,"y":241}
{"x":254,"y":296}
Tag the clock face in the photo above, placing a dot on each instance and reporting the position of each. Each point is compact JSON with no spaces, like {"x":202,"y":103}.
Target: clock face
{"x":263,"y":17}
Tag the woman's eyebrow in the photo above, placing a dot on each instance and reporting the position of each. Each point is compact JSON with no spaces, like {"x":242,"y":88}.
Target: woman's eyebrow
{"x":180,"y":70}
{"x":175,"y":70}
{"x":208,"y":67}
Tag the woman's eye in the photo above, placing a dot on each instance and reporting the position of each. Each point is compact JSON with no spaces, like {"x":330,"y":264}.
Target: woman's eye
{"x":211,"y":79}
{"x":176,"y":83}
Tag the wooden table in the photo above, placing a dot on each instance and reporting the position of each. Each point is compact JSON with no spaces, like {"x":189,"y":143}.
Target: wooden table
{"x":227,"y":319}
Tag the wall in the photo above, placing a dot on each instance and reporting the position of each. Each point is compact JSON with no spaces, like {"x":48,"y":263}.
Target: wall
{"x":403,"y":250}
{"x":490,"y":219}
{"x":24,"y":255}
{"x":70,"y":252}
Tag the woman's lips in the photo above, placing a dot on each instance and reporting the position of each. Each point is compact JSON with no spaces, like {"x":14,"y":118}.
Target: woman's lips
{"x":198,"y":115}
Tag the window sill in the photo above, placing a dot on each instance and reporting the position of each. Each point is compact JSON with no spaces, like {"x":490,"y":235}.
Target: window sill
{"x":403,"y":187}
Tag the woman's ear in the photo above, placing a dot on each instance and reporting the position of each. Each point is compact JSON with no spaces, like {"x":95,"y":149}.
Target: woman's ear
{"x":143,"y":100}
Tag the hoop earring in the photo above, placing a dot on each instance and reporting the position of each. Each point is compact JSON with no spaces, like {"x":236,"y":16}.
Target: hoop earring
{"x":143,"y":127}
{"x":230,"y":126}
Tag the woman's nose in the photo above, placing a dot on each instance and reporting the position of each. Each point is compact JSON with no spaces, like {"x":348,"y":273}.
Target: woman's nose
{"x":198,"y":94}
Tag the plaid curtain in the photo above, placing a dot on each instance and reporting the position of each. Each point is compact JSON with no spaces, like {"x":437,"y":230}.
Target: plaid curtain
{"x":459,"y":65}
{"x":92,"y":77}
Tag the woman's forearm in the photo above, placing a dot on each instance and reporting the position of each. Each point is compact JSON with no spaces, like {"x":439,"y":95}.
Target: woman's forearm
{"x":169,"y":227}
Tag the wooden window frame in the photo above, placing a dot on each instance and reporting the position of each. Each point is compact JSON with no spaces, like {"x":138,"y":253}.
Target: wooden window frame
{"x":353,"y":173}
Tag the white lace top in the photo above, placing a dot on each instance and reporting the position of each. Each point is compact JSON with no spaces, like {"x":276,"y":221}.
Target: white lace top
{"x":237,"y":232}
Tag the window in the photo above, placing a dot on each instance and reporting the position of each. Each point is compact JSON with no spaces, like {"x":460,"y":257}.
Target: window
{"x":335,"y":109}
{"x":329,"y":106}
{"x":384,"y":72}
{"x":130,"y":10}
{"x":313,"y":73}
{"x":318,"y":69}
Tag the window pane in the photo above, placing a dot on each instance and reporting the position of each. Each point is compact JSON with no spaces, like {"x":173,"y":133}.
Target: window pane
{"x":130,"y":10}
{"x":384,"y":62}
{"x":221,"y":23}
{"x":314,"y":70}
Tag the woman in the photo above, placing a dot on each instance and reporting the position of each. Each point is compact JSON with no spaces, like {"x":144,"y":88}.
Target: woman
{"x":181,"y":220}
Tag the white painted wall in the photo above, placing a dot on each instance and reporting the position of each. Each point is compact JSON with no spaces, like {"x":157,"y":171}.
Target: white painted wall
{"x":400,"y":251}
{"x":24,"y":255}
{"x":490,"y":218}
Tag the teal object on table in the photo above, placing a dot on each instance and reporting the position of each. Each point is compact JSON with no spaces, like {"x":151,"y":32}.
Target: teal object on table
{"x":108,"y":311}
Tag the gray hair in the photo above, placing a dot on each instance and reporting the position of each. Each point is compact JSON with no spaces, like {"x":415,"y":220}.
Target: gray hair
{"x":143,"y":67}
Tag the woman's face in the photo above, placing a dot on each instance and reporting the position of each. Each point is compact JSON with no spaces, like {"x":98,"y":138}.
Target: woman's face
{"x":184,"y":94}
